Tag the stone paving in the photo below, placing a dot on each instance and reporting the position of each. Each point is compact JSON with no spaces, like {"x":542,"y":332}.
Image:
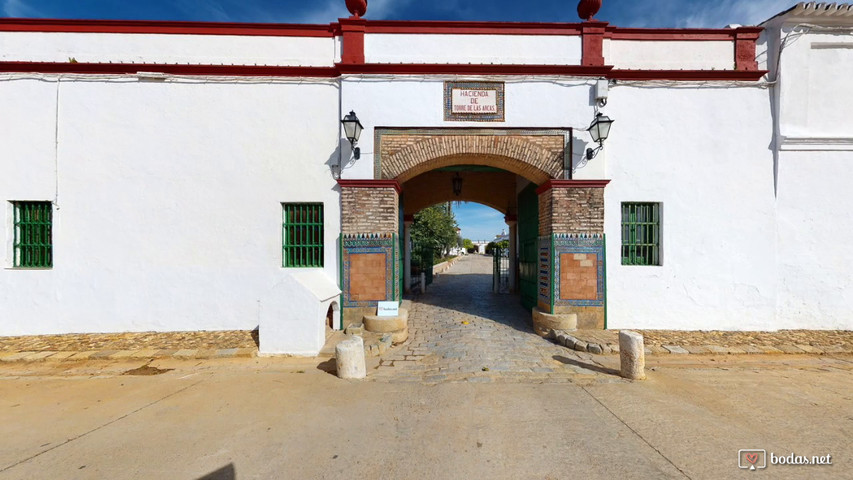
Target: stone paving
{"x":461,"y":331}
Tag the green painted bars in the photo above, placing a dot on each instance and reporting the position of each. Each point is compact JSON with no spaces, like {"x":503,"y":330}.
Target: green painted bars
{"x":302,"y":235}
{"x":33,"y":237}
{"x":641,"y":234}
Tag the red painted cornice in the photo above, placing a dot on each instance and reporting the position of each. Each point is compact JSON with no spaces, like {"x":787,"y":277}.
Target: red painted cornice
{"x":551,"y":184}
{"x":371,"y":184}
{"x":166,"y":27}
{"x":388,"y":69}
{"x":133,"y":68}
{"x":681,"y":34}
{"x":689,"y":75}
{"x":376,"y":26}
{"x":469,"y":69}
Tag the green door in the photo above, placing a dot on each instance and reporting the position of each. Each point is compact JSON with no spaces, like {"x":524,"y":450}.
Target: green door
{"x":528,"y":240}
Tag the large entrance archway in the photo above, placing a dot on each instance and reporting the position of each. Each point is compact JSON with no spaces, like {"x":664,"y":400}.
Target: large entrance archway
{"x":556,"y":224}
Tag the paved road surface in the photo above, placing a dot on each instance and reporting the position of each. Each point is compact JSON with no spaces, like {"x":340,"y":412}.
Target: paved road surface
{"x":461,"y":331}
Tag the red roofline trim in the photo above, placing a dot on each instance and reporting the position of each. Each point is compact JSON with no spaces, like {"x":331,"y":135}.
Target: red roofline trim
{"x":371,"y":26}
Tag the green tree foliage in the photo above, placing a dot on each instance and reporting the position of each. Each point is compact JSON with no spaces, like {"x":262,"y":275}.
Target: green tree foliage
{"x":435,"y":227}
{"x":503,"y":245}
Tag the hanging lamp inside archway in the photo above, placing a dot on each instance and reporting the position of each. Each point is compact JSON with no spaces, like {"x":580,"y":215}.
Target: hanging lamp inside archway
{"x":457,"y":184}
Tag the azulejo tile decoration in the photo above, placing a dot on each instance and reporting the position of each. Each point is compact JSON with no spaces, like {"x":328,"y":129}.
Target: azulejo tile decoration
{"x":476,"y":112}
{"x":367,"y":244}
{"x":581,"y":245}
{"x":544,"y":276}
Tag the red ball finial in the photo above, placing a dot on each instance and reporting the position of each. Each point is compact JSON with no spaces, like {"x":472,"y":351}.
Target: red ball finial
{"x":587,"y":9}
{"x":357,"y":7}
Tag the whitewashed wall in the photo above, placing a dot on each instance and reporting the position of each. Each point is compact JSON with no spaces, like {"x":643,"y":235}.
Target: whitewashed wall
{"x":417,"y":103}
{"x":169,"y":199}
{"x":477,"y":49}
{"x":670,"y":55}
{"x":704,"y":154}
{"x":814,"y":168}
{"x":170,"y":49}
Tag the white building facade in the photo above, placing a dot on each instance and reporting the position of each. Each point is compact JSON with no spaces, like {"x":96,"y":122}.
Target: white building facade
{"x":168,"y":176}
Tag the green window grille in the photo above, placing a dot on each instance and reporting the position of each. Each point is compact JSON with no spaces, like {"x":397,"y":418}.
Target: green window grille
{"x":302,"y":234}
{"x":641,"y":233}
{"x":33,"y":245}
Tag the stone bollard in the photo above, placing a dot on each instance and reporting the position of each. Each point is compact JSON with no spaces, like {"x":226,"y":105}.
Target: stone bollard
{"x":423,"y":282}
{"x":349,"y":356}
{"x":632,"y":355}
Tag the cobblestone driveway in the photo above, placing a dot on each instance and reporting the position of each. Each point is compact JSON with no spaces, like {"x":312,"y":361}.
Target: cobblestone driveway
{"x":461,"y":331}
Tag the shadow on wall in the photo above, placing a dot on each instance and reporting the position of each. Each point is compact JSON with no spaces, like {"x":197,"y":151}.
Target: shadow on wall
{"x":228,"y":472}
{"x":472,"y":294}
{"x":579,"y":147}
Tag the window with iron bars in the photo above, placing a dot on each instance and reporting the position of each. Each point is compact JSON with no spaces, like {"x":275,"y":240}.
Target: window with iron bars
{"x":33,"y":234}
{"x":641,"y":233}
{"x":302,"y":235}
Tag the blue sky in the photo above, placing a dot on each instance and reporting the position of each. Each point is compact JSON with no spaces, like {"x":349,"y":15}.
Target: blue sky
{"x":477,"y":222}
{"x":627,"y":13}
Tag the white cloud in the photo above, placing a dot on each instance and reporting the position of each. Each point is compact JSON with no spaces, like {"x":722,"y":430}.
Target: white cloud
{"x":725,"y":12}
{"x":19,"y":8}
{"x":331,"y":10}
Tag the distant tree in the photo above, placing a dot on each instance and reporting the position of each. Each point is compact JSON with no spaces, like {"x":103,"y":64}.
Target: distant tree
{"x":503,"y":245}
{"x":467,"y":244}
{"x":435,"y":228}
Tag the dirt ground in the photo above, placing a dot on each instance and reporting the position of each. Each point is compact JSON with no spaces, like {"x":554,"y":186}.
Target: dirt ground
{"x":290,"y":418}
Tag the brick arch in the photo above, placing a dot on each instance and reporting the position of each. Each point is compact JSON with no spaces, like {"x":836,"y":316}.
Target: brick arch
{"x":538,"y":158}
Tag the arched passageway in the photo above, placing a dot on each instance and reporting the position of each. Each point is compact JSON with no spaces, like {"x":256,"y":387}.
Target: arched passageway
{"x":556,"y":225}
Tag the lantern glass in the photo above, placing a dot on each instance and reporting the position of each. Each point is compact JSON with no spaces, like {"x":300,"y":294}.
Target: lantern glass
{"x":352,"y":127}
{"x":600,"y":128}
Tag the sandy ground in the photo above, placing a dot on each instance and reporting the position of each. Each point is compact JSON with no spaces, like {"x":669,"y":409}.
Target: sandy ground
{"x":288,"y":418}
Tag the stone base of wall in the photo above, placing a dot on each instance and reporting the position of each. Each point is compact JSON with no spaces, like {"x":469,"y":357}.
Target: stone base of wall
{"x":544,"y":323}
{"x":355,"y":315}
{"x":589,"y":318}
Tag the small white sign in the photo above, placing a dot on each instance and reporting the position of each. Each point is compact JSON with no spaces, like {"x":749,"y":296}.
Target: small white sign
{"x":477,"y":101}
{"x":388,"y":309}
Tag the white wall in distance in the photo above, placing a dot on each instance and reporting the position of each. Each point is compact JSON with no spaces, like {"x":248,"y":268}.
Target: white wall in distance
{"x":169,"y":215}
{"x":713,"y":173}
{"x":170,"y":49}
{"x":476,"y":49}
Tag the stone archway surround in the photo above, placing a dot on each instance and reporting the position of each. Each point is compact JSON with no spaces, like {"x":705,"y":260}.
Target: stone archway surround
{"x":571,"y":267}
{"x":536,"y":154}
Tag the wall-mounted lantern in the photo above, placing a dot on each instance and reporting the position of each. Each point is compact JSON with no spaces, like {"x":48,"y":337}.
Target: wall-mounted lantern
{"x":599,"y":130}
{"x":457,"y":184}
{"x":352,"y":130}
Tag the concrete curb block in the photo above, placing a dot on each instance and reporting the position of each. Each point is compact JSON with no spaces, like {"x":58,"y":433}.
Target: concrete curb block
{"x":565,"y":339}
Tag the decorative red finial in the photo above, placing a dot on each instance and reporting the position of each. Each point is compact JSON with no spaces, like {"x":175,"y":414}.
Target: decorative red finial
{"x":359,"y":7}
{"x":586,"y":9}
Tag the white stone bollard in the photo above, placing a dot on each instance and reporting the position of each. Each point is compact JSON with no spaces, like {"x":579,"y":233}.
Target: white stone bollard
{"x":349,"y":357}
{"x":632,"y":355}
